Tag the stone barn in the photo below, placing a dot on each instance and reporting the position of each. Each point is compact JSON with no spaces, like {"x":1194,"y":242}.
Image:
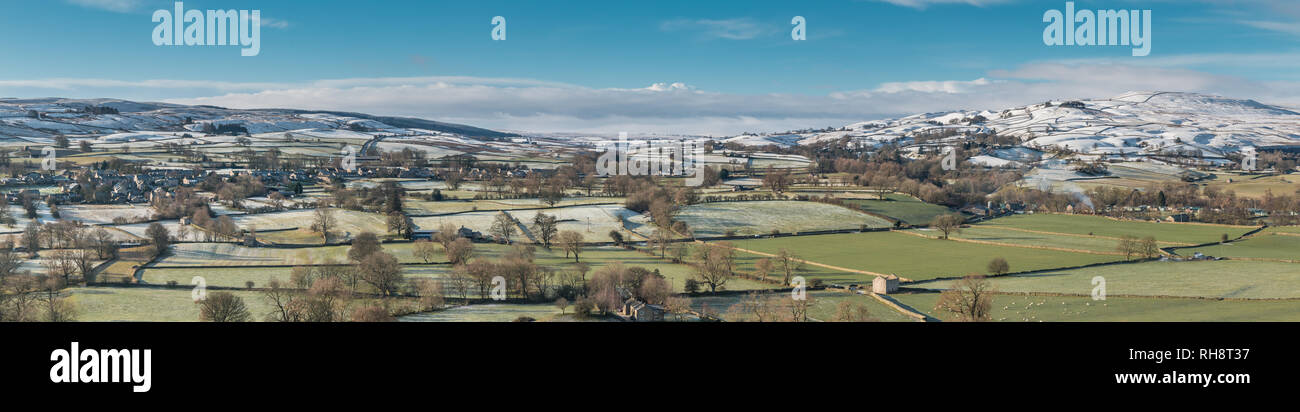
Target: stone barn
{"x":884,"y":284}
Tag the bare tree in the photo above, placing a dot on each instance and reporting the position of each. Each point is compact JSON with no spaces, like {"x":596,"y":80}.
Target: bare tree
{"x":849,"y":311}
{"x":425,"y":250}
{"x":571,"y":242}
{"x":460,"y":251}
{"x":545,"y":228}
{"x":948,"y":223}
{"x":323,"y":221}
{"x":364,"y":245}
{"x":223,"y":306}
{"x":789,"y":263}
{"x":999,"y":266}
{"x":381,"y":271}
{"x":970,"y":299}
{"x":503,"y":227}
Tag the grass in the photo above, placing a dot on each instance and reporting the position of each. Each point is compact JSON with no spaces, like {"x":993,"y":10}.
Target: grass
{"x":998,"y":234}
{"x":1265,"y":245}
{"x":913,"y":257}
{"x":902,"y":207}
{"x":349,"y":224}
{"x":762,"y":217}
{"x":1104,"y":227}
{"x":823,"y":307}
{"x":1256,"y":186}
{"x":124,"y":268}
{"x":505,"y":312}
{"x":100,"y":304}
{"x":1016,"y":308}
{"x":1216,"y":279}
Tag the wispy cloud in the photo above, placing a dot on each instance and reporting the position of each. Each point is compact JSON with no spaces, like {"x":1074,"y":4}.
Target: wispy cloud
{"x":1292,"y":27}
{"x":275,"y":23}
{"x":923,"y":4}
{"x":120,"y":6}
{"x":731,"y":29}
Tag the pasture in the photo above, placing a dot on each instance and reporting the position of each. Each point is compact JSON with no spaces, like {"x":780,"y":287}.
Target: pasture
{"x":1269,"y":244}
{"x":913,"y":257}
{"x":1170,"y":233}
{"x":822,"y":308}
{"x":1214,"y":279}
{"x":901,"y":207}
{"x":764,"y":217}
{"x":1027,"y":308}
{"x":139,"y":304}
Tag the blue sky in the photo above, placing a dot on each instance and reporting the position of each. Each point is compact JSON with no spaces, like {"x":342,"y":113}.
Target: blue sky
{"x":710,"y":67}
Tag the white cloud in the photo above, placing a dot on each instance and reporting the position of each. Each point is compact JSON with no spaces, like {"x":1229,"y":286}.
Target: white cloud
{"x":731,"y":29}
{"x":1278,"y":26}
{"x":275,"y":23}
{"x":120,"y":6}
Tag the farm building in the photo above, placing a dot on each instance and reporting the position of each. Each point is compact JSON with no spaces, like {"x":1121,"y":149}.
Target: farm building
{"x":641,"y":312}
{"x":884,"y":284}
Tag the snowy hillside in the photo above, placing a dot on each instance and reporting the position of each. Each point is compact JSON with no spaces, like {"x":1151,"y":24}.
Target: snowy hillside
{"x":38,"y":119}
{"x":1133,"y":124}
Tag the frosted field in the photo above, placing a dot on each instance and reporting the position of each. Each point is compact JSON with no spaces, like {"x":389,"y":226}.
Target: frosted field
{"x":477,"y":221}
{"x":757,"y":218}
{"x":225,"y":254}
{"x":138,"y":229}
{"x":104,"y":214}
{"x":486,"y":313}
{"x":37,"y":266}
{"x":349,"y":224}
{"x":593,"y":222}
{"x":199,"y":255}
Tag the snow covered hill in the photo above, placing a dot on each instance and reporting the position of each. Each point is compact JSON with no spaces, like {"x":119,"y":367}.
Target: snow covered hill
{"x":1133,"y":124}
{"x":38,"y":119}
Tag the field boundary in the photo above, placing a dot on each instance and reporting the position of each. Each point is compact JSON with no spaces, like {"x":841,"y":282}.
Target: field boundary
{"x":985,"y":242}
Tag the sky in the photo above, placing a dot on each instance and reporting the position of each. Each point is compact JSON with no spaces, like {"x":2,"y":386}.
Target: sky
{"x":677,"y":67}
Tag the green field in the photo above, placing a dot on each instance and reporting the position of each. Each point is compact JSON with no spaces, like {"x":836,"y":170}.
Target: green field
{"x":1218,"y":279}
{"x":1257,"y":185}
{"x":100,"y":304}
{"x":913,"y":257}
{"x":1104,"y":227}
{"x":902,"y":207}
{"x":1265,"y":245}
{"x":996,"y":234}
{"x":1016,"y":308}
